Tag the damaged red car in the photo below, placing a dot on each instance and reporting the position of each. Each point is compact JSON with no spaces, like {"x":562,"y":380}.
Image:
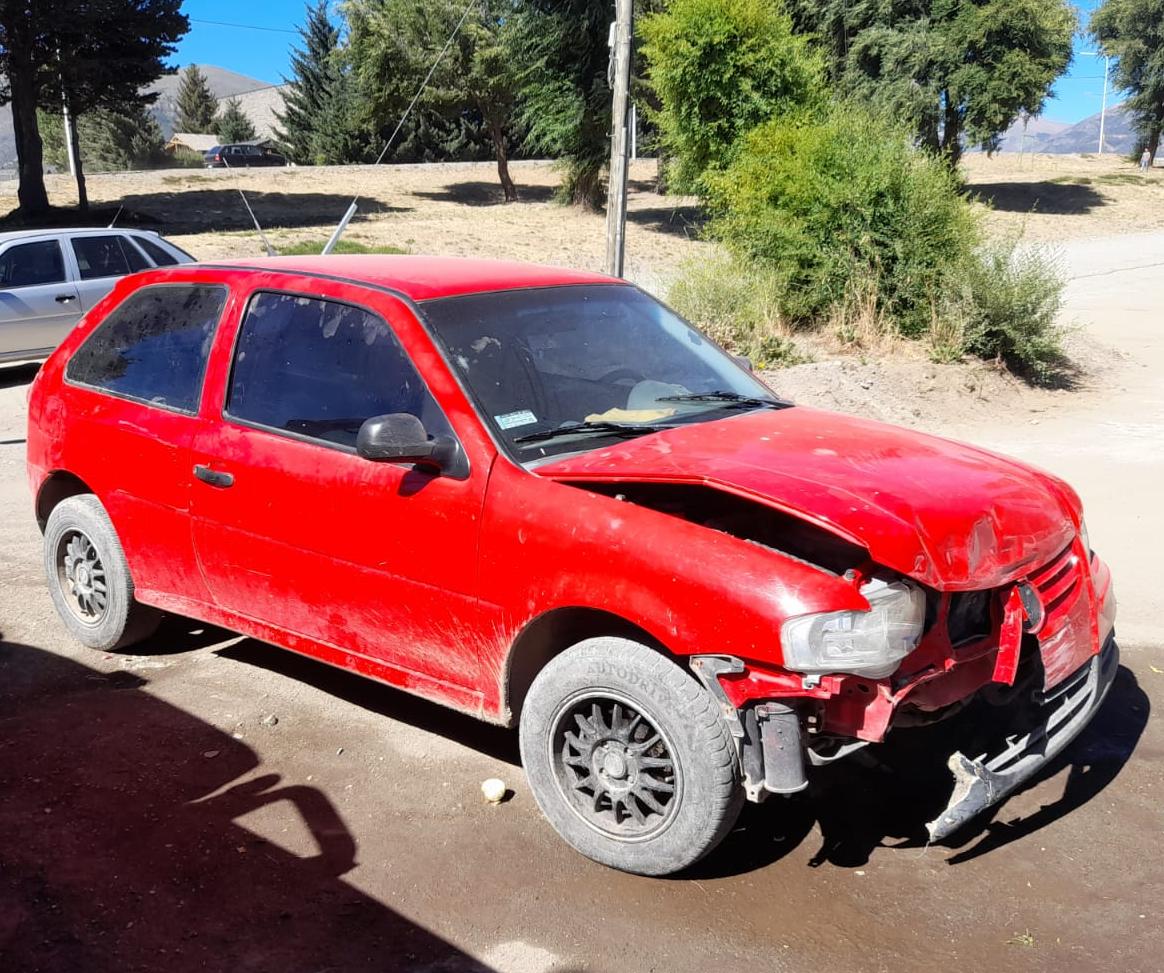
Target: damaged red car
{"x":541,"y":497}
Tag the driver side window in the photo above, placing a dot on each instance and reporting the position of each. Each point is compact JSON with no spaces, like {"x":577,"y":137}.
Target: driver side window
{"x":319,"y":369}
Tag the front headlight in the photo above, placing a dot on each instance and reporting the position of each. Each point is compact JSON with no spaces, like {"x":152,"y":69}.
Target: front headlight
{"x":871,"y":643}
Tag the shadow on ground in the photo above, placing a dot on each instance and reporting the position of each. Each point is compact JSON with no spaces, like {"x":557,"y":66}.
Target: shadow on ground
{"x":484,"y":194}
{"x":121,"y":848}
{"x":13,"y":375}
{"x":1039,"y":197}
{"x":209,"y":210}
{"x":884,"y":797}
{"x":684,"y":221}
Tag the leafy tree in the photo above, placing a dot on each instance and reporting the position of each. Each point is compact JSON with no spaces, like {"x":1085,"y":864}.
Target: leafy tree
{"x":561,"y":58}
{"x":1133,"y":32}
{"x":196,"y":105}
{"x":342,"y":134}
{"x":233,"y":125}
{"x":315,"y":73}
{"x":956,"y":71}
{"x":89,"y":54}
{"x":108,"y":140}
{"x":719,"y":68}
{"x":471,"y":93}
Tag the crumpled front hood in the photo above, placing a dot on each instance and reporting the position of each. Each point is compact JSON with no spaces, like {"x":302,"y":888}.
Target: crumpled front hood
{"x":948,"y":514}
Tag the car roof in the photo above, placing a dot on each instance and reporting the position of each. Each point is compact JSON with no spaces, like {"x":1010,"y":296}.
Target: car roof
{"x":423,"y":278}
{"x":71,"y":230}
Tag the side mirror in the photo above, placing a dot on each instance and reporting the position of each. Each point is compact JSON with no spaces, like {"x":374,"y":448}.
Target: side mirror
{"x":744,"y":362}
{"x":401,"y":438}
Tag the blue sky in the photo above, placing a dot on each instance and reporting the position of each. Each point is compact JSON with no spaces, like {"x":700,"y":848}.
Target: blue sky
{"x":264,"y":53}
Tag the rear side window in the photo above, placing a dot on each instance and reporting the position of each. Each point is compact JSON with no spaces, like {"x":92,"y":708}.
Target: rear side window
{"x":319,"y":369}
{"x":155,"y":253}
{"x":153,"y":346}
{"x":106,"y":256}
{"x":29,"y":264}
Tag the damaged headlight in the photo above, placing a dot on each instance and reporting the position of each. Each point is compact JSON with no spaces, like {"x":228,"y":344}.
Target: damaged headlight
{"x":871,"y":643}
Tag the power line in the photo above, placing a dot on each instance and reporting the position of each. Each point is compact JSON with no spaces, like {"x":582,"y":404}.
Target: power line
{"x":223,"y":23}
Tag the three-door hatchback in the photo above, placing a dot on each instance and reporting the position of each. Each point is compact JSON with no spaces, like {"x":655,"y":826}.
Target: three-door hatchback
{"x":540,"y":497}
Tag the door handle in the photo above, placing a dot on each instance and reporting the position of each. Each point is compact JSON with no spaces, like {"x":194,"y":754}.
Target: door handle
{"x":213,"y":477}
{"x":65,"y":298}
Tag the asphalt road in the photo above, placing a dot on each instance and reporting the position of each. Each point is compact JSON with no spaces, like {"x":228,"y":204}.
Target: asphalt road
{"x":218,"y":804}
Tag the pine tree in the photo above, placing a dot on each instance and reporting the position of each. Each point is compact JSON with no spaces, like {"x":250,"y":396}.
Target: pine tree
{"x":109,"y":141}
{"x":315,"y":73}
{"x":233,"y":125}
{"x":196,"y":105}
{"x":565,"y":100}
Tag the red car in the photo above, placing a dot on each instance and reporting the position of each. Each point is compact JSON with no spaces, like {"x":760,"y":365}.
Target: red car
{"x":539,"y":496}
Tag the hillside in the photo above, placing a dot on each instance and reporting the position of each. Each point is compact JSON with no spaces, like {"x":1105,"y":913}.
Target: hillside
{"x":224,"y":84}
{"x":1059,"y":138}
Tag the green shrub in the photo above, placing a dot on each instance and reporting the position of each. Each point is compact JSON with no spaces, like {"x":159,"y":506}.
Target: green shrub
{"x":720,"y":67}
{"x":1011,"y":299}
{"x":738,"y":306}
{"x":827,"y":198}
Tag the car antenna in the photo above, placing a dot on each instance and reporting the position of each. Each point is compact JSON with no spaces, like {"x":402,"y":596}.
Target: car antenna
{"x":353,"y":207}
{"x":271,"y":251}
{"x":115,"y":216}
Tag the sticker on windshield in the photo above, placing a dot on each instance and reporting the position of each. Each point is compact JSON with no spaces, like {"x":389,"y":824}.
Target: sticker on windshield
{"x":513,"y":419}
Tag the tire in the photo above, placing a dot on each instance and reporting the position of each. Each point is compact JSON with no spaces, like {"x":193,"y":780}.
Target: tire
{"x":81,"y":554}
{"x":595,"y":769}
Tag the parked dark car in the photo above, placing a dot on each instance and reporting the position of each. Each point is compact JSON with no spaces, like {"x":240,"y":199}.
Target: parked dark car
{"x":242,"y":155}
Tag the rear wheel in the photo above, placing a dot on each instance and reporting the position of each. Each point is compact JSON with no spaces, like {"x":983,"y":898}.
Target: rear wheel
{"x":88,"y":577}
{"x":628,"y":758}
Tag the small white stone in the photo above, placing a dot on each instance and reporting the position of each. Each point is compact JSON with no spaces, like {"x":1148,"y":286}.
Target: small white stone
{"x":493,"y":789}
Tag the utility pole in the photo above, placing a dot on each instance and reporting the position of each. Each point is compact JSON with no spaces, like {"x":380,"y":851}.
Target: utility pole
{"x":623,"y":33}
{"x":1103,"y":105}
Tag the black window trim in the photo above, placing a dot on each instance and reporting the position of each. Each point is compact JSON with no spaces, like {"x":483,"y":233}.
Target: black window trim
{"x":461,"y":471}
{"x":141,"y":236}
{"x":68,"y":380}
{"x":50,"y":283}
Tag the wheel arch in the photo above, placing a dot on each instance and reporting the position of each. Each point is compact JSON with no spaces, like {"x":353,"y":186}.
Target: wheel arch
{"x":57,"y":486}
{"x":550,"y":634}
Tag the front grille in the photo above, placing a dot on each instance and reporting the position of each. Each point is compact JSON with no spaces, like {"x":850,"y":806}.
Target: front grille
{"x":1058,"y":581}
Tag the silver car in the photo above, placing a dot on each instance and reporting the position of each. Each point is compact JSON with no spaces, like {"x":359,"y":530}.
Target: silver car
{"x":49,"y":278}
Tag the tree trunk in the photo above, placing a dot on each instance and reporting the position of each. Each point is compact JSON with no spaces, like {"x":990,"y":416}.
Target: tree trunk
{"x":1154,"y":136}
{"x":75,"y":147}
{"x":31,"y":194}
{"x":501,"y":151}
{"x":951,"y":133}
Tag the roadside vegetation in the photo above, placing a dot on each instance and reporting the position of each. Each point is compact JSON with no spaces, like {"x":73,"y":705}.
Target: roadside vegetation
{"x":833,"y":214}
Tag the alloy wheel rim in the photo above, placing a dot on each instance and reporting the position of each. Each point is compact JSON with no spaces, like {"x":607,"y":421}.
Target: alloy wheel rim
{"x":614,"y":766}
{"x":81,"y":575}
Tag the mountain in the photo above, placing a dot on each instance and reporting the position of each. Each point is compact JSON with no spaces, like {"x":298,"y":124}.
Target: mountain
{"x":223,"y":83}
{"x":1044,"y":135}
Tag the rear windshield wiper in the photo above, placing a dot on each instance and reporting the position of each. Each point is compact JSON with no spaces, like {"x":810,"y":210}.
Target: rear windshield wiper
{"x":730,"y":398}
{"x":582,"y":428}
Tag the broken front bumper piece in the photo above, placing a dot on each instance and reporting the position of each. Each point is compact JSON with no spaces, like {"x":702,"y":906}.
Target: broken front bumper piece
{"x":1069,"y":707}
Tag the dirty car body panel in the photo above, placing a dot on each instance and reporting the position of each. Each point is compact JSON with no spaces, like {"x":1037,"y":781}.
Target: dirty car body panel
{"x":586,"y":490}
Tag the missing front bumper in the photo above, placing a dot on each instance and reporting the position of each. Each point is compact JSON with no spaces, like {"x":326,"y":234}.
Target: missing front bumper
{"x":1069,"y":707}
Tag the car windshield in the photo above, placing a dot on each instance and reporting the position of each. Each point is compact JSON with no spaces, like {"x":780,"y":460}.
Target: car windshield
{"x":563,"y":369}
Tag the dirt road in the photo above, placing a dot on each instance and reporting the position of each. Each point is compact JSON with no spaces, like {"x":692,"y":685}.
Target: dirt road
{"x":218,"y":804}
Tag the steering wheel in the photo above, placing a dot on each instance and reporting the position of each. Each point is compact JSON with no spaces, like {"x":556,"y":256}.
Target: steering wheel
{"x":621,"y":375}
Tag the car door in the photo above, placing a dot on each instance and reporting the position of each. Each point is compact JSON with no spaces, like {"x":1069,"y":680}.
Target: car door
{"x":38,"y":302}
{"x":134,"y":390}
{"x":101,"y":259}
{"x":295,"y":530}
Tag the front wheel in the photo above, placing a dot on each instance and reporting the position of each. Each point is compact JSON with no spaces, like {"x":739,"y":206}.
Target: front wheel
{"x":628,"y":757}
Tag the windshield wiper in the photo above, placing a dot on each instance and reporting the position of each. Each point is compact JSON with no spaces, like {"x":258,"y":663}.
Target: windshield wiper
{"x":731,"y":398}
{"x":590,"y":427}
